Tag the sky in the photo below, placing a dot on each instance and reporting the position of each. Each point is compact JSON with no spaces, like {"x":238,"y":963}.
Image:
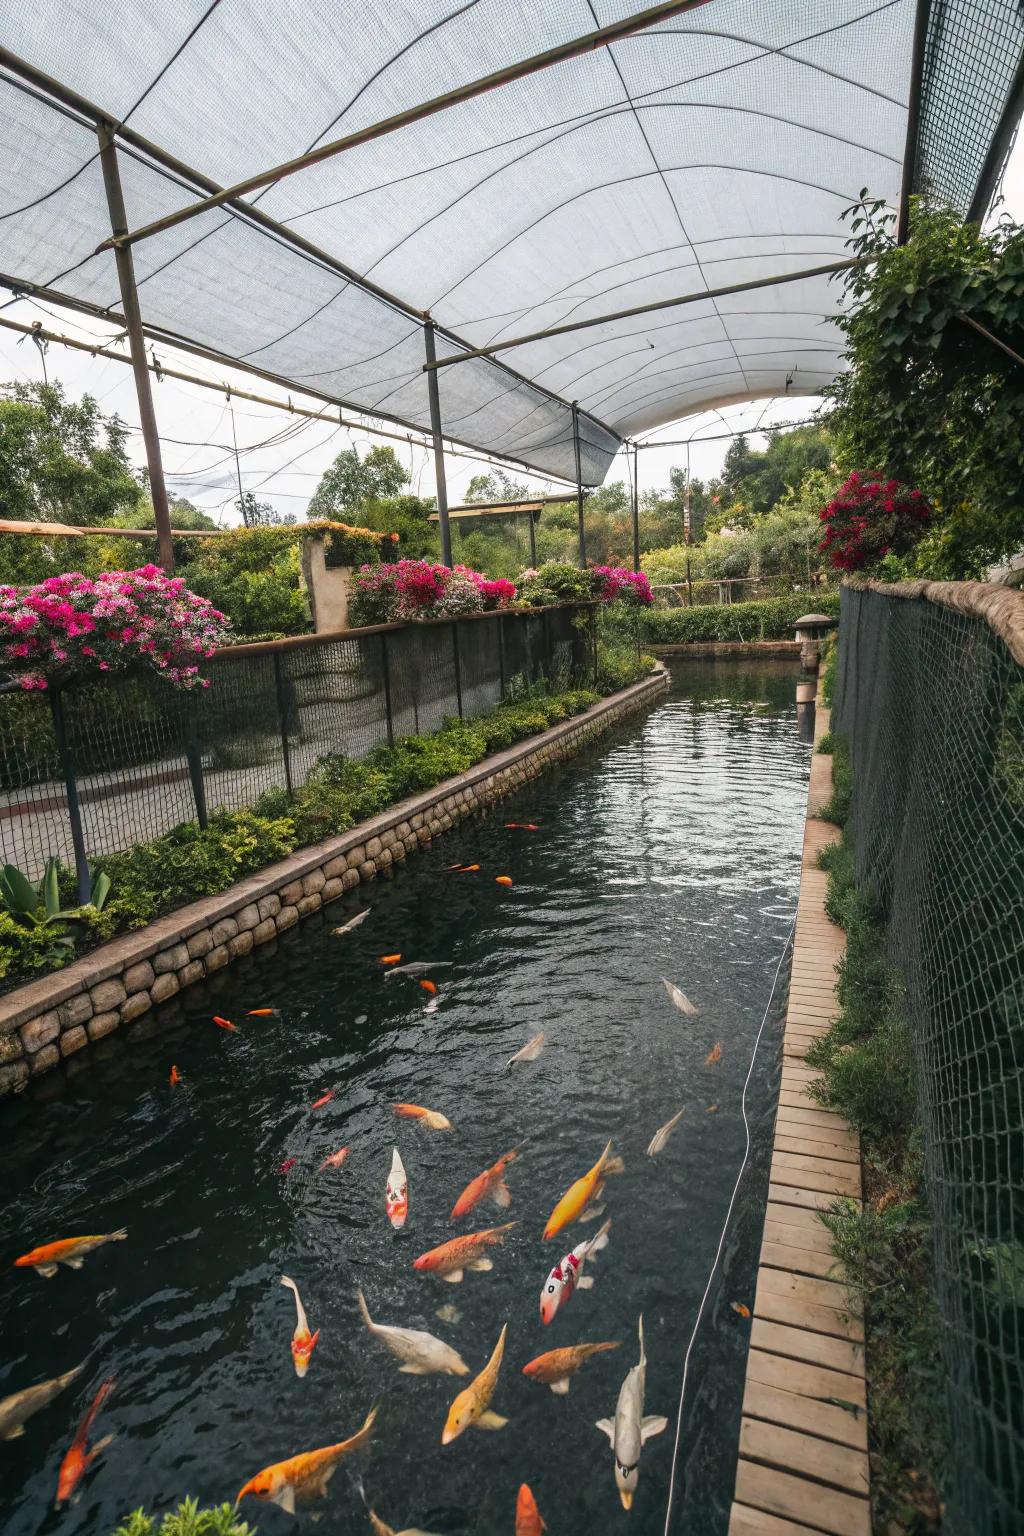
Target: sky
{"x":281,"y":458}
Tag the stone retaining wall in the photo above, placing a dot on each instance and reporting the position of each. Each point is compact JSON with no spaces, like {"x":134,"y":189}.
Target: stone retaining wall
{"x":59,"y":1014}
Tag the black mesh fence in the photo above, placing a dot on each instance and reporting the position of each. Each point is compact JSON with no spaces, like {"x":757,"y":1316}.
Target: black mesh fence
{"x":931,"y":701}
{"x":128,"y":758}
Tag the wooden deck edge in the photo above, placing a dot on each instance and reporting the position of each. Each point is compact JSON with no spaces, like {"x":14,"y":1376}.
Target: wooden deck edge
{"x":802,"y":1467}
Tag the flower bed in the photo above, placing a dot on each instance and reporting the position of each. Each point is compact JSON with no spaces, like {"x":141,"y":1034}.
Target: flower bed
{"x":421,"y":589}
{"x":72,"y":626}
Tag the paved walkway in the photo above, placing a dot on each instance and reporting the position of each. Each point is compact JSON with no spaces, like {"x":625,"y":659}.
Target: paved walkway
{"x":803,"y":1464}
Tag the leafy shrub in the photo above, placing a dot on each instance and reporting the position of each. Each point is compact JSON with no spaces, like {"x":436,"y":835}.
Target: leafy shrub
{"x":417,"y":762}
{"x":422,"y":589}
{"x":869,"y":518}
{"x":187,"y":1520}
{"x":828,"y":661}
{"x":558,"y":582}
{"x":252,"y":574}
{"x":837,"y":809}
{"x":773,"y":618}
{"x":26,"y":950}
{"x":614,"y":583}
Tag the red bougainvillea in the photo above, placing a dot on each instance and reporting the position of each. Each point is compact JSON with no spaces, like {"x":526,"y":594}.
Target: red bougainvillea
{"x":870,"y":518}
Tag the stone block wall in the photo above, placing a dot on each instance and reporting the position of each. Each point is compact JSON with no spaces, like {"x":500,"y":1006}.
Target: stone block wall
{"x":54,"y":1017}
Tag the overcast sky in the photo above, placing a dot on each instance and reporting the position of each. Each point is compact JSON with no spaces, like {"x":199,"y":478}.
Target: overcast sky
{"x":196,"y":424}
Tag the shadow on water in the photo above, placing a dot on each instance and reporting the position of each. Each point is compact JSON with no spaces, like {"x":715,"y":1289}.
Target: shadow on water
{"x":671,"y":848}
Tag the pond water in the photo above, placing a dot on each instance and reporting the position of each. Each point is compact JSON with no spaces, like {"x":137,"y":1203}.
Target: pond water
{"x":671,"y":848}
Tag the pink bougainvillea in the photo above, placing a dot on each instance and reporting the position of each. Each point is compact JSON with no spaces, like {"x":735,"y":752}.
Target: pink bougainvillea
{"x":614,"y":583}
{"x":73,"y":626}
{"x":869,"y":518}
{"x":421,"y":589}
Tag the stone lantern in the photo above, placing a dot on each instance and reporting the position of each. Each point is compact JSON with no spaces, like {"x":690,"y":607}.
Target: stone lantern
{"x":809,"y":632}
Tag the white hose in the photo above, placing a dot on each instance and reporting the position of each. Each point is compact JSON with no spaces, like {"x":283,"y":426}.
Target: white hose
{"x":725,"y":1228}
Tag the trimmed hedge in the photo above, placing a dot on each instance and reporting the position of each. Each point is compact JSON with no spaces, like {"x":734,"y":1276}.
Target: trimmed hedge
{"x":772,"y":618}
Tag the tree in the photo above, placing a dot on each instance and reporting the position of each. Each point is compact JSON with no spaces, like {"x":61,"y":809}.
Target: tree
{"x":61,"y":460}
{"x":408,"y":516}
{"x":261,"y":514}
{"x":498,"y":486}
{"x":753,"y":481}
{"x":351,"y":481}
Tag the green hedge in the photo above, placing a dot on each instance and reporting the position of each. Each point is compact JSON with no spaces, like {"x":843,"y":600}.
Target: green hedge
{"x":773,"y":618}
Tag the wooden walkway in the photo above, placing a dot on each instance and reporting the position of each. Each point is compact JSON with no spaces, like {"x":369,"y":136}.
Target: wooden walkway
{"x":803,"y":1464}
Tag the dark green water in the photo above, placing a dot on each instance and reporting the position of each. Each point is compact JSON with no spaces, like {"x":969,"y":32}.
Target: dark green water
{"x":671,"y":848}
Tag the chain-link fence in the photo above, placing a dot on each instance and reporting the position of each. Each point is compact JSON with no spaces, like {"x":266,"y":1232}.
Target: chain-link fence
{"x":931,"y":700}
{"x":99,"y":767}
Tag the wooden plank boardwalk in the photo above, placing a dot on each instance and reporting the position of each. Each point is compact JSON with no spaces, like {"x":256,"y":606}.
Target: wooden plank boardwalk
{"x":803,"y":1458}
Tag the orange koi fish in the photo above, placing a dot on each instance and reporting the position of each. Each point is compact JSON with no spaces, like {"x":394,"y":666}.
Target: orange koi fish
{"x":462,"y":1253}
{"x":430,"y":987}
{"x":528,"y":1520}
{"x":464,"y":869}
{"x":490,"y":1182}
{"x":303,"y":1342}
{"x":555,"y":1368}
{"x":262,"y":1013}
{"x":714,"y":1056}
{"x":431,"y":1118}
{"x":579,"y":1195}
{"x":324,"y":1099}
{"x":175,"y":1077}
{"x":225,"y":1023}
{"x":522,"y":826}
{"x":505,"y":880}
{"x":335,"y":1160}
{"x":304,"y":1477}
{"x":740,"y":1308}
{"x":396,"y":1193}
{"x":472,"y":1406}
{"x":390,"y":959}
{"x":69,"y":1250}
{"x":79,"y":1458}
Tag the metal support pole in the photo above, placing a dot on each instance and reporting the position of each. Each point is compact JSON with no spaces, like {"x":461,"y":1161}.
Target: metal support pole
{"x":67,"y":768}
{"x":194,"y":758}
{"x":501,"y":656}
{"x":433,"y":395}
{"x":458,"y":666}
{"x":636,"y":511}
{"x":385,"y":668}
{"x":546,"y":625}
{"x":282,"y":720}
{"x":689,"y":585}
{"x":913,"y":117}
{"x":137,"y":345}
{"x":533,"y":539}
{"x":579,"y":484}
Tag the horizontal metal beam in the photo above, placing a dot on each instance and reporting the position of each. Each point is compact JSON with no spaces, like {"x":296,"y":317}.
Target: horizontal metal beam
{"x":645,"y":309}
{"x":721,"y":437}
{"x":999,"y":149}
{"x":572,"y":49}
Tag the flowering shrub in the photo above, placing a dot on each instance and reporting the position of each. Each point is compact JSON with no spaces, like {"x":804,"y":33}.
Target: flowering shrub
{"x":73,"y":626}
{"x":870,"y":518}
{"x":615,"y":583}
{"x":420,"y":589}
{"x":497,"y":594}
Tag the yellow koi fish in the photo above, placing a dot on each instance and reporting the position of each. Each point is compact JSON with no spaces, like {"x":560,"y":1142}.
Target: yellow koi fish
{"x":472,"y":1406}
{"x":579,"y":1195}
{"x":304,"y":1477}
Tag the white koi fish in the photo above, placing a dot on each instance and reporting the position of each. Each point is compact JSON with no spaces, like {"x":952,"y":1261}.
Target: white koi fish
{"x":303,"y":1342}
{"x":660,"y":1138}
{"x":353,"y":922}
{"x":396,"y":1195}
{"x":630,"y":1431}
{"x":421,"y":1354}
{"x":418,"y":968}
{"x":568,"y":1276}
{"x":680,"y":999}
{"x":14,"y":1410}
{"x":530,"y":1051}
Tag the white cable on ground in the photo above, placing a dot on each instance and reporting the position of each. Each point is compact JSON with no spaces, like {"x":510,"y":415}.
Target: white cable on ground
{"x":725,"y":1228}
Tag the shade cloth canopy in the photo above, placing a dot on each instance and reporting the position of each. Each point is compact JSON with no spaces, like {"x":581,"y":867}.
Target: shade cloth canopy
{"x":717,"y":147}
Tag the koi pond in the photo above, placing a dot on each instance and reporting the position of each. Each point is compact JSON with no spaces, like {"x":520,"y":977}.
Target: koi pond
{"x":670,"y":849}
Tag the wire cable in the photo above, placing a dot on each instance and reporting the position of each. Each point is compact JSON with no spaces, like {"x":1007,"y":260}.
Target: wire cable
{"x":725,"y":1229}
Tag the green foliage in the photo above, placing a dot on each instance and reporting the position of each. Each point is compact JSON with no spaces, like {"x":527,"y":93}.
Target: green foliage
{"x":772,"y":618}
{"x":252,"y":575}
{"x":827,"y":745}
{"x":752,"y":481}
{"x":417,"y":762}
{"x":351,"y":482}
{"x":558,"y":582}
{"x":407,"y":516}
{"x":1009,"y":766}
{"x":187,"y":1520}
{"x":828,"y":662}
{"x":838,"y":808}
{"x":26,"y":950}
{"x":927,"y":399}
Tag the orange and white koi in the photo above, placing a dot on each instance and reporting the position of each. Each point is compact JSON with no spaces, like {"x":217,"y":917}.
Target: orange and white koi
{"x":585,"y":1190}
{"x":324,"y":1099}
{"x":335,"y":1159}
{"x":396,"y":1194}
{"x":505,"y":880}
{"x":304,"y":1477}
{"x":450,"y":1260}
{"x":225,"y":1023}
{"x":79,"y":1458}
{"x":303,"y":1342}
{"x":568,"y":1276}
{"x":69,"y":1250}
{"x":528,"y":1520}
{"x":714,"y":1056}
{"x":175,"y":1077}
{"x":556,"y":1367}
{"x":463,"y":869}
{"x":489,"y":1183}
{"x":431,"y":1118}
{"x":472,"y":1406}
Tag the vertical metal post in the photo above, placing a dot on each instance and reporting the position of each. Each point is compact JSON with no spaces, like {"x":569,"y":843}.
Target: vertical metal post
{"x":458,"y":665}
{"x":137,"y":344}
{"x":533,"y":540}
{"x":434,"y":398}
{"x":689,"y":585}
{"x":194,"y":758}
{"x":636,"y":510}
{"x":501,"y":654}
{"x":546,"y":626}
{"x":282,"y":720}
{"x":385,"y":668}
{"x":913,"y":117}
{"x":593,"y":635}
{"x":579,"y":484}
{"x":67,"y":768}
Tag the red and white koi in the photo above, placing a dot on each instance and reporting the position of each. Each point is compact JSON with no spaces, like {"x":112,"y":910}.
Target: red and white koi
{"x":303,"y":1342}
{"x":396,"y":1194}
{"x":568,"y":1276}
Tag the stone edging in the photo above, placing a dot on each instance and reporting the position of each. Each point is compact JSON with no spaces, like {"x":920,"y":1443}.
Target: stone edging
{"x":58,"y":1014}
{"x":1001,"y":608}
{"x":708,"y":650}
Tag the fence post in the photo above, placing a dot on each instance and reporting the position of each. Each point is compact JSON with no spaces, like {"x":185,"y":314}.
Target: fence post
{"x":67,"y":768}
{"x":501,"y":657}
{"x":282,"y":717}
{"x":689,"y":585}
{"x":385,"y":667}
{"x":593,"y":632}
{"x":545,"y":618}
{"x":458,"y":665}
{"x":194,"y":758}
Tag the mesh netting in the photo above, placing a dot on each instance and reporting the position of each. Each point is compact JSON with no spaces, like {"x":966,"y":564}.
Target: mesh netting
{"x":932,"y":704}
{"x":143,"y":759}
